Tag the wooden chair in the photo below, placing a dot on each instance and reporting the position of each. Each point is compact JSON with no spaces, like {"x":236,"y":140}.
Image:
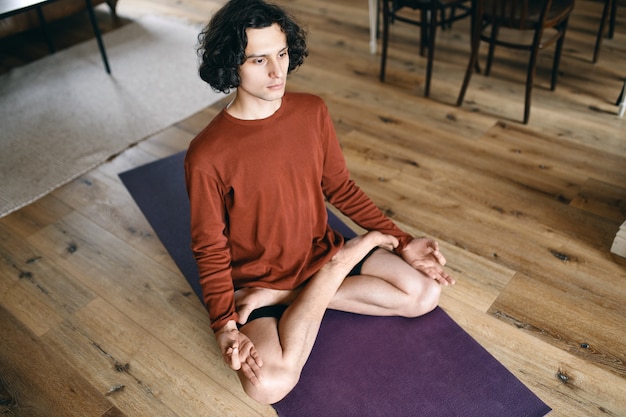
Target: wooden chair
{"x":533,"y":24}
{"x":433,"y":13}
{"x":609,"y":13}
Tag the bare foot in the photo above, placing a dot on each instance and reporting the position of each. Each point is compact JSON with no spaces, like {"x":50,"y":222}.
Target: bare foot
{"x":249,"y":299}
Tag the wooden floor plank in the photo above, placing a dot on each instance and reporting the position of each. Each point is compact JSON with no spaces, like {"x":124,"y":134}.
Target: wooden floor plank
{"x":129,"y":363}
{"x":562,"y":314}
{"x":603,"y":199}
{"x":38,"y":380}
{"x":34,"y":289}
{"x":34,"y":216}
{"x":106,"y":202}
{"x":157,"y":299}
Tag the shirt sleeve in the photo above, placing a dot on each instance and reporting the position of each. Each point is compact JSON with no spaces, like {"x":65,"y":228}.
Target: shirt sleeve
{"x":343,"y":193}
{"x":210,"y":244}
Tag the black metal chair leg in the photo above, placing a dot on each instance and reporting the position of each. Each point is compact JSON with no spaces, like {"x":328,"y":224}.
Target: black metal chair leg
{"x":612,"y":19}
{"x":472,"y":65}
{"x":385,"y":41}
{"x":606,"y":10}
{"x":44,"y":29}
{"x":431,"y":49}
{"x":96,"y":30}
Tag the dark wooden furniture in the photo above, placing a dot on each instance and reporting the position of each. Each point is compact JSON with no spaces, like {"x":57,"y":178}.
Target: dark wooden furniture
{"x":13,"y":7}
{"x":544,"y":21}
{"x":609,"y":13}
{"x":433,"y":13}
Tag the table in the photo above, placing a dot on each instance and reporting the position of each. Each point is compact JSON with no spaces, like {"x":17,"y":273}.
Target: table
{"x":13,"y":7}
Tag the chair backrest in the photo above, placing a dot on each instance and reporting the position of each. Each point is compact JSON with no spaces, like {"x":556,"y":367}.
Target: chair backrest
{"x":426,"y":4}
{"x":515,"y":14}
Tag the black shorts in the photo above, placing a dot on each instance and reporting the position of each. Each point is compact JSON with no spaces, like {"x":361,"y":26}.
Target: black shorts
{"x":277,"y":311}
{"x":357,"y":268}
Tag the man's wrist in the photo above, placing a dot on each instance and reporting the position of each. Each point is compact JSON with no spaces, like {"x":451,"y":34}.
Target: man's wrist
{"x":229,"y":326}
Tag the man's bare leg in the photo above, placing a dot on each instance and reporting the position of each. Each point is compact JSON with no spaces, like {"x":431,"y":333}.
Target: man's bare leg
{"x":387,"y":286}
{"x":285,"y":345}
{"x":249,"y":299}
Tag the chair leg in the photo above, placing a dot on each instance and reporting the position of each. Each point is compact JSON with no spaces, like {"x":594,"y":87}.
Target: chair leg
{"x":385,"y":41}
{"x":530,"y":78}
{"x":466,"y":79}
{"x":612,"y":20}
{"x":474,"y":48}
{"x":557,"y":55}
{"x":424,"y":18}
{"x":96,"y":30}
{"x":621,"y":101}
{"x":446,"y":20}
{"x":452,"y":16}
{"x":113,"y":7}
{"x":44,"y":29}
{"x":622,"y":96}
{"x":492,"y":48}
{"x":431,"y":51}
{"x":608,"y":6}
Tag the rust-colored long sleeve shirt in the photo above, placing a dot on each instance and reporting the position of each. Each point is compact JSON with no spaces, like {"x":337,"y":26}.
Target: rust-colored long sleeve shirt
{"x":257,"y":190}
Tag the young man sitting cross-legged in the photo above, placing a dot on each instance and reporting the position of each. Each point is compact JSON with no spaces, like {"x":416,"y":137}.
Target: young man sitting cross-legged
{"x":258,"y":177}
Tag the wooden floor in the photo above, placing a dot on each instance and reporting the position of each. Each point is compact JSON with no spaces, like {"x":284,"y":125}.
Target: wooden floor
{"x":96,"y":320}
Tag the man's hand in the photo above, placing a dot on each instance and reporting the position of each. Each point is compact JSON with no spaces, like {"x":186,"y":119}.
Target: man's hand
{"x":239,"y":352}
{"x":423,"y":254}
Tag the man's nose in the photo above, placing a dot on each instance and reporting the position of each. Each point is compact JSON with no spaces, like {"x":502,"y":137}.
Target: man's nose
{"x":276,"y":69}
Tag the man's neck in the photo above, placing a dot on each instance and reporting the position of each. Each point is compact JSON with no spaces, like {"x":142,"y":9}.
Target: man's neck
{"x":252,"y":109}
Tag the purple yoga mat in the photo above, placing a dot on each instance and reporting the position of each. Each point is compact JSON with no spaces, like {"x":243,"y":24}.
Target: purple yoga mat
{"x":390,"y":366}
{"x":360,"y":366}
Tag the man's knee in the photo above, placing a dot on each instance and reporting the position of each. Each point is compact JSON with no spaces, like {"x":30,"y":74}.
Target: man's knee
{"x":424,"y":299}
{"x":273,"y":387}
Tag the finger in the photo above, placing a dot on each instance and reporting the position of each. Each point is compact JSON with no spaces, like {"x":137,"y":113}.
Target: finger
{"x":249,"y":373}
{"x":445,"y":279}
{"x":449,"y":279}
{"x":435,"y":272}
{"x":441,"y":279}
{"x":254,"y":368}
{"x":235,"y":362}
{"x":440,"y":258}
{"x":257,"y":358}
{"x":431,"y":272}
{"x":434,"y":246}
{"x":428,"y":267}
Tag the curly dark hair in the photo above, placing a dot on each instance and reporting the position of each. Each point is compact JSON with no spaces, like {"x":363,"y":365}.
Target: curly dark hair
{"x":222,"y":43}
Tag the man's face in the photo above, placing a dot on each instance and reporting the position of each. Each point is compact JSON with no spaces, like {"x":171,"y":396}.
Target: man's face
{"x":264,"y":71}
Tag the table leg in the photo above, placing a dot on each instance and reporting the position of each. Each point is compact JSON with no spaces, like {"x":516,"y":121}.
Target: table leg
{"x":44,"y":29}
{"x":96,"y":30}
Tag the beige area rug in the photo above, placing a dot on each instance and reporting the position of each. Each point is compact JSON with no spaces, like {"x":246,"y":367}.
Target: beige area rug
{"x":63,"y":115}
